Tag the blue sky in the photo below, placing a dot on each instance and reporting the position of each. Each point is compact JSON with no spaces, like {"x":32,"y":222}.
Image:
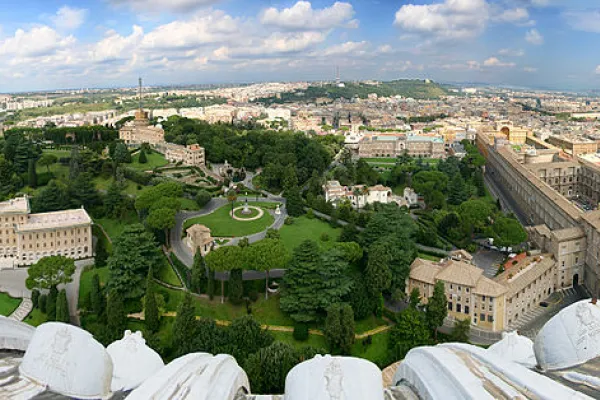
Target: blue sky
{"x":106,"y":43}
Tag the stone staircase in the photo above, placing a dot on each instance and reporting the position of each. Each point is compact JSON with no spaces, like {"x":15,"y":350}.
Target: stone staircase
{"x":23,"y":310}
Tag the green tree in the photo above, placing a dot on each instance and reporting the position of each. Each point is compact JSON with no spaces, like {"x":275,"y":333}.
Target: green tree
{"x":476,"y":213}
{"x":184,"y":327}
{"x":349,"y":233}
{"x":339,"y":328}
{"x":415,"y":298}
{"x":101,"y":253}
{"x":246,"y":336}
{"x":210,"y":284}
{"x":53,"y":197}
{"x":74,"y":164}
{"x":134,"y":252}
{"x":290,"y":179}
{"x":203,"y":197}
{"x":47,"y":159}
{"x":42,"y":302}
{"x":51,"y":303}
{"x":313,"y":282}
{"x":268,"y":368}
{"x":31,"y":174}
{"x":294,"y":204}
{"x":199,"y":278}
{"x":266,"y":255}
{"x":361,"y":300}
{"x":410,"y":331}
{"x":225,"y":259}
{"x":49,"y":272}
{"x":437,"y":308}
{"x":209,"y":337}
{"x":508,"y":232}
{"x":97,"y":299}
{"x":7,"y":174}
{"x":151,"y":314}
{"x":62,"y":307}
{"x":389,"y":220}
{"x":82,"y":191}
{"x":35,"y":297}
{"x":22,"y":156}
{"x":236,"y":286}
{"x":461,"y":330}
{"x":116,"y":317}
{"x":150,"y":196}
{"x":142,"y":159}
{"x":121,"y":155}
{"x":231,"y":198}
{"x":162,"y":219}
{"x":377,"y":274}
{"x":457,"y":191}
{"x":113,"y":200}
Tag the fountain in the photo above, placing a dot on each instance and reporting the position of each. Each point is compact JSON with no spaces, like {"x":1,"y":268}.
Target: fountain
{"x":246,"y":210}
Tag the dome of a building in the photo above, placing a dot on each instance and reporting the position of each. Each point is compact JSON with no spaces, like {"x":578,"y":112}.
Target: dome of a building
{"x":69,"y":361}
{"x":133,"y":361}
{"x":516,"y":348}
{"x":197,"y":376}
{"x":14,"y":335}
{"x":327,"y":377}
{"x":570,"y":338}
{"x":457,"y":371}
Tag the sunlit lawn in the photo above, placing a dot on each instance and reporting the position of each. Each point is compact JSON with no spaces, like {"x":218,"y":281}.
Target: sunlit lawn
{"x":305,"y":228}
{"x":8,"y":304}
{"x":36,"y":318}
{"x":222,"y":225}
{"x":154,"y":160}
{"x":114,"y":227}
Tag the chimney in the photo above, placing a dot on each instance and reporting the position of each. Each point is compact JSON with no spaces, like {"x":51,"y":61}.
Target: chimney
{"x":594,"y":300}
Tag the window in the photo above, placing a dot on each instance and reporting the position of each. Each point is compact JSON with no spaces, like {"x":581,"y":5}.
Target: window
{"x":467,"y":289}
{"x":466,"y":309}
{"x":459,"y":288}
{"x":483,"y":298}
{"x":458,"y":308}
{"x":482,"y":317}
{"x":490,"y":318}
{"x":450,"y":306}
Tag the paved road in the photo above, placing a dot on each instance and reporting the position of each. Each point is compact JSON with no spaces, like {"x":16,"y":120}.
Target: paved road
{"x":183,"y":252}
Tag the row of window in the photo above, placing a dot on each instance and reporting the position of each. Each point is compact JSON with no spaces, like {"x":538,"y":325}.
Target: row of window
{"x":466,"y":310}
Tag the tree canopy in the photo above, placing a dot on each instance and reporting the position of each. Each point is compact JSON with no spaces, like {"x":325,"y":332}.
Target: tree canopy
{"x":50,"y":272}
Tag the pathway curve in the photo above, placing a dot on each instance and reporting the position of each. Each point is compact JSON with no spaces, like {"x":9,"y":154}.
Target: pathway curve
{"x":23,"y":310}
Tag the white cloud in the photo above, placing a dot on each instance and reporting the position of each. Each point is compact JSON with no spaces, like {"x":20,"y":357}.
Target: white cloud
{"x":511,"y":52}
{"x":530,"y":69}
{"x":587,"y":21}
{"x":38,"y":41}
{"x":495,"y":62}
{"x":452,"y":19}
{"x":514,"y":15}
{"x":534,"y":37}
{"x":301,"y":16}
{"x":597,"y":70}
{"x":161,"y":6}
{"x":280,"y":43}
{"x":69,"y":19}
{"x":348,"y":48}
{"x":115,"y":46}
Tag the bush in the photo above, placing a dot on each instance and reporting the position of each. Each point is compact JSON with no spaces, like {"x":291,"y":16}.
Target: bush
{"x":203,"y":197}
{"x":253,"y":295}
{"x":289,"y":221}
{"x":310,"y":214}
{"x":300,"y":331}
{"x":35,"y":296}
{"x":324,"y":237}
{"x":42,"y":302}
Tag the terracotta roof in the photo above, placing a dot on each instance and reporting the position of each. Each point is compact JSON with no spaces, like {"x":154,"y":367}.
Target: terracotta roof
{"x":488,"y":287}
{"x":198,"y":228}
{"x":462,"y":254}
{"x":424,"y":270}
{"x":460,"y":273}
{"x":525,"y":272}
{"x":569,"y":233}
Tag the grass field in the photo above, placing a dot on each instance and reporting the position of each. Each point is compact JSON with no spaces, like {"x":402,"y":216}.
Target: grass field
{"x":367,"y":324}
{"x":85,"y":283}
{"x":316,"y":341}
{"x":381,"y":160}
{"x":114,"y":227}
{"x":167,"y":274}
{"x":103,"y":183}
{"x":376,"y":352}
{"x":305,"y":228}
{"x":429,"y":257}
{"x":154,"y":160}
{"x":222,"y":225}
{"x":36,"y":317}
{"x":8,"y":304}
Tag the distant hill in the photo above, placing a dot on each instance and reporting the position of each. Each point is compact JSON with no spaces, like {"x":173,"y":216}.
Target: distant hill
{"x":417,"y":89}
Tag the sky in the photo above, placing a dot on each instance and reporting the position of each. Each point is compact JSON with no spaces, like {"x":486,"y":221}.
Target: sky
{"x":54,"y":44}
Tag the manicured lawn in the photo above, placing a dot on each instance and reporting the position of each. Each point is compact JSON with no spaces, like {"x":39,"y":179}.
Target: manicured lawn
{"x":154,"y":160}
{"x":376,"y":352}
{"x":58,"y":153}
{"x":222,"y":225}
{"x":103,"y":183}
{"x":316,"y":341}
{"x":382,"y":160}
{"x":8,"y":304}
{"x":305,"y":228}
{"x":36,"y":317}
{"x":367,"y":324}
{"x":167,"y":274}
{"x":85,"y":283}
{"x":429,"y":257}
{"x":114,"y":227}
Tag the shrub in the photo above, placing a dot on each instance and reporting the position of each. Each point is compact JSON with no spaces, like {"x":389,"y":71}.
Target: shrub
{"x":253,"y":295}
{"x":300,"y":331}
{"x":310,"y":214}
{"x":289,"y":221}
{"x":324,"y":237}
{"x":42,"y":303}
{"x":35,"y":296}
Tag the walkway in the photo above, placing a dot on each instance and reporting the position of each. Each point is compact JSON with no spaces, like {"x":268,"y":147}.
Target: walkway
{"x":23,"y":310}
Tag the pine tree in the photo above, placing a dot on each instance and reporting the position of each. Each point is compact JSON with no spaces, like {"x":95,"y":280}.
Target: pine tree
{"x":151,"y":315}
{"x":113,"y":200}
{"x":32,"y":175}
{"x":142,"y":159}
{"x":415,"y":298}
{"x":35,"y":298}
{"x":6,"y":178}
{"x":101,"y":253}
{"x":290,"y":179}
{"x":53,"y":197}
{"x":62,"y":307}
{"x":42,"y":303}
{"x":294,"y":204}
{"x":74,"y":164}
{"x":83,"y":192}
{"x":199,"y":279}
{"x":457,"y":190}
{"x":22,"y":156}
{"x":437,"y":307}
{"x":116,"y":317}
{"x":210,"y":284}
{"x":96,"y":296}
{"x":184,"y":327}
{"x":236,"y":286}
{"x":51,"y":303}
{"x":377,"y":273}
{"x":268,"y":368}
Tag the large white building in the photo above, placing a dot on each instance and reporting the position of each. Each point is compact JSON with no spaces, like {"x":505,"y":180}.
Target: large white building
{"x":358,"y":195}
{"x":27,"y":237}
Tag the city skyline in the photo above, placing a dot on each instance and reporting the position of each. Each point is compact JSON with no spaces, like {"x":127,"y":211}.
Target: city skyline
{"x":69,"y":44}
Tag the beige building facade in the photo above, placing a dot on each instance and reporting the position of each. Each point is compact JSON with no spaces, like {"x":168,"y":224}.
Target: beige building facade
{"x":139,"y":131}
{"x":192,"y":155}
{"x":574,"y":145}
{"x":199,"y":238}
{"x":26,"y":237}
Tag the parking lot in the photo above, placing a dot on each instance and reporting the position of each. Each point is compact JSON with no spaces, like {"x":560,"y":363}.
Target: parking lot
{"x":489,"y":261}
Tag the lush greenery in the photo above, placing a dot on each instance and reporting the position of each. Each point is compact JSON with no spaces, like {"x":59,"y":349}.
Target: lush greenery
{"x":8,"y":304}
{"x":222,"y":225}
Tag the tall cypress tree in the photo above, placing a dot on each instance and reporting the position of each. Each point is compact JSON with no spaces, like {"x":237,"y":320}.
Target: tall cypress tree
{"x":32,"y":175}
{"x":437,"y":308}
{"x":116,"y":316}
{"x":150,"y":308}
{"x":210,"y":284}
{"x":142,"y":158}
{"x":457,"y":190}
{"x":184,"y":327}
{"x":96,"y":297}
{"x":294,"y":204}
{"x":22,"y":156}
{"x":199,"y":279}
{"x":62,"y":307}
{"x":236,"y":286}
{"x":51,"y":303}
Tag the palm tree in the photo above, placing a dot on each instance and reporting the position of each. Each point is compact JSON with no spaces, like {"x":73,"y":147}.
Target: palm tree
{"x":231,"y":197}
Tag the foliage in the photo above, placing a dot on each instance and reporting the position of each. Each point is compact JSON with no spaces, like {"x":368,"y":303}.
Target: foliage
{"x":460,"y":331}
{"x":199,"y":278}
{"x":149,"y":196}
{"x":236,"y":286}
{"x":142,"y":158}
{"x":507,"y":232}
{"x":134,"y":252}
{"x":62,"y":307}
{"x":203,"y":197}
{"x":410,"y":331}
{"x":151,"y":314}
{"x":246,"y":336}
{"x":51,"y":303}
{"x":294,"y":204}
{"x":313,"y":282}
{"x":162,"y":218}
{"x":300,"y":331}
{"x":96,"y":296}
{"x":35,"y":297}
{"x":269,"y":366}
{"x":362,"y":301}
{"x":49,"y":272}
{"x":53,"y":197}
{"x":116,"y":317}
{"x":437,"y":307}
{"x":415,"y":298}
{"x":184,"y":327}
{"x":339,"y":328}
